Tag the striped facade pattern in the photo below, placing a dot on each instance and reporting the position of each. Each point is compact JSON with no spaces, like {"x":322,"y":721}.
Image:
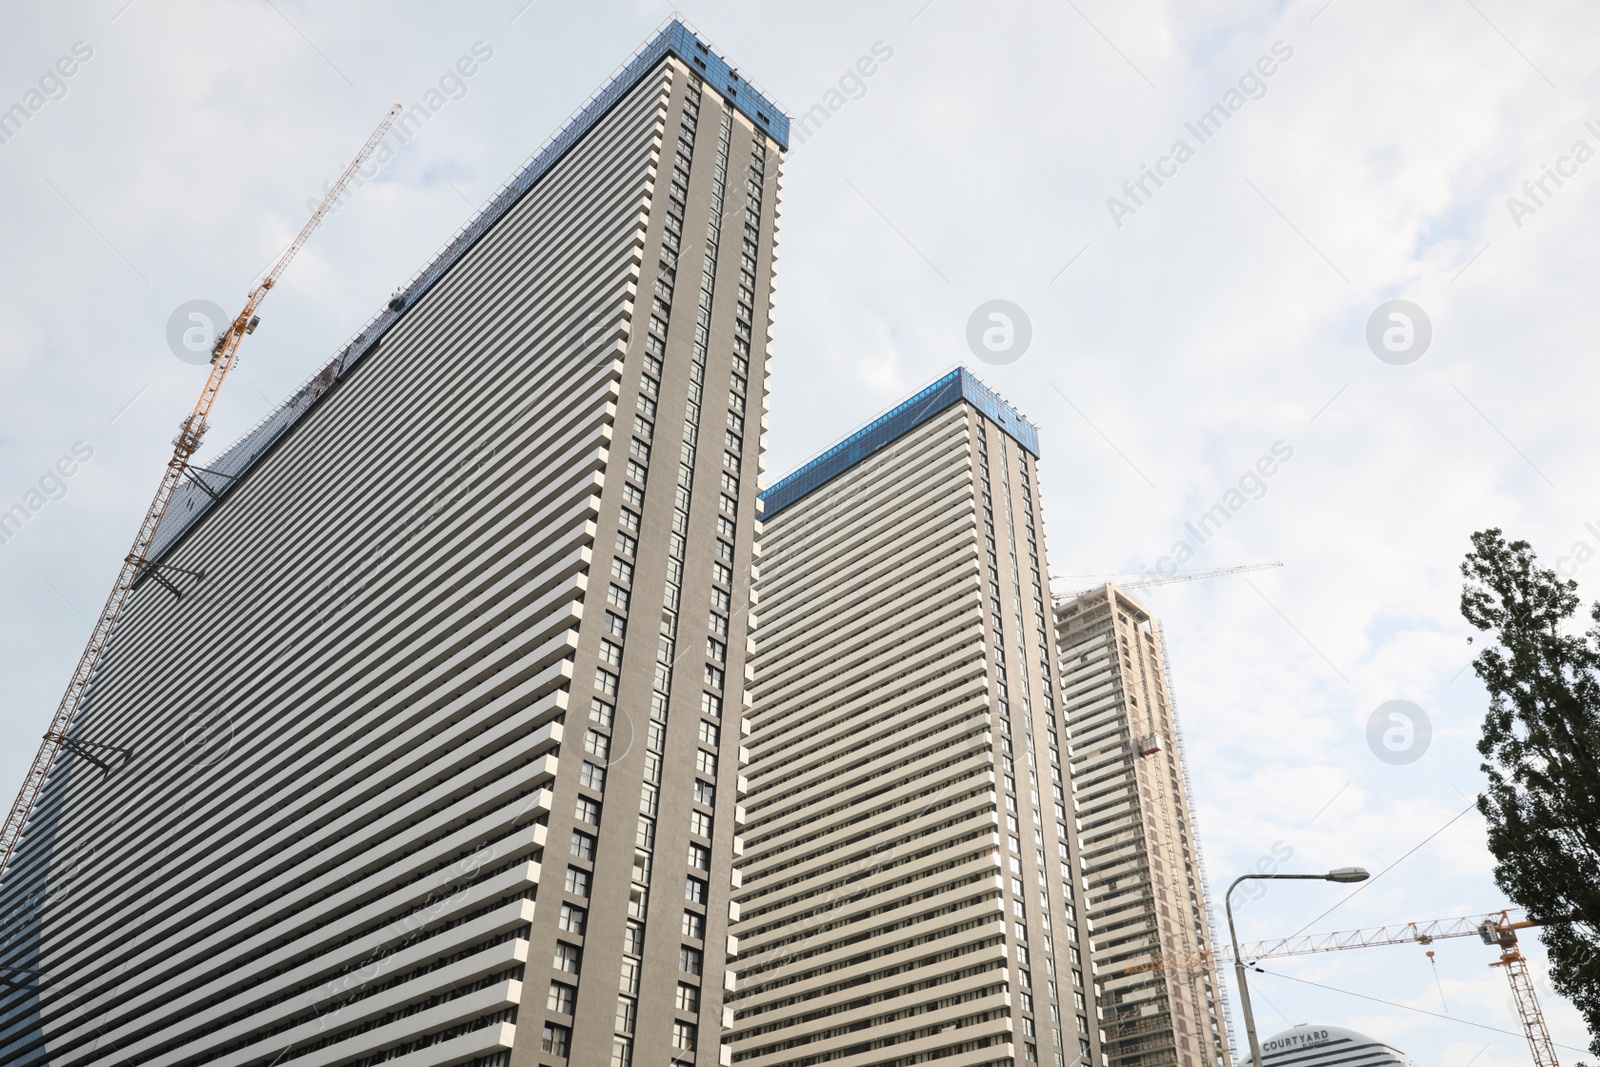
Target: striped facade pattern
{"x":909,"y":875}
{"x":1147,"y":887}
{"x":408,"y":782}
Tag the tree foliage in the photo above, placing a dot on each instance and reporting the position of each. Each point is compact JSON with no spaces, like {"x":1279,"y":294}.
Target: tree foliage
{"x":1541,"y":749}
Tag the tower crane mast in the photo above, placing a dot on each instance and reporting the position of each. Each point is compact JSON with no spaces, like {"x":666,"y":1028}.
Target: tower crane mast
{"x":1503,"y":935}
{"x":223,"y":357}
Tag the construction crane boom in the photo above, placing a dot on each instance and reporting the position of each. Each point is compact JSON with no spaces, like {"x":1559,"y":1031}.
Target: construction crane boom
{"x":1169,"y":579}
{"x":1215,"y":572}
{"x":223,"y":356}
{"x":1421,"y":932}
{"x":1494,"y":929}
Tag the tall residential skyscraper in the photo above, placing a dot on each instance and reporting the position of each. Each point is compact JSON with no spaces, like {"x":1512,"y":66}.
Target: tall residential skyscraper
{"x":910,"y":888}
{"x":432,"y":744}
{"x":1146,"y":879}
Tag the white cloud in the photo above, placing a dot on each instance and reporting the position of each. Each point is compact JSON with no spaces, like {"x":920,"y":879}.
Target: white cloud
{"x":1213,"y":323}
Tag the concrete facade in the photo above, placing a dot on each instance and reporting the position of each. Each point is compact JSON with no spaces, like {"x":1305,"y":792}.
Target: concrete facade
{"x":435,"y":760}
{"x":1146,"y":878}
{"x":910,"y":888}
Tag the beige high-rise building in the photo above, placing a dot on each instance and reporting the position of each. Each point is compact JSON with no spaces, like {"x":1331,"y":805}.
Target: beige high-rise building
{"x":910,"y":888}
{"x":1146,"y":880}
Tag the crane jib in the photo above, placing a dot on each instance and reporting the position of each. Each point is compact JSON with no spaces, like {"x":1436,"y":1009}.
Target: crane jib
{"x":187,"y":443}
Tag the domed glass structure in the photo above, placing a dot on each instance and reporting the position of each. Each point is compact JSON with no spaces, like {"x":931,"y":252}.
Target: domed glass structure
{"x":1316,"y":1045}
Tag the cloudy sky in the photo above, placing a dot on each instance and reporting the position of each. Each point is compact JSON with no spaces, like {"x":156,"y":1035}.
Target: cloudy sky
{"x":1178,"y":335}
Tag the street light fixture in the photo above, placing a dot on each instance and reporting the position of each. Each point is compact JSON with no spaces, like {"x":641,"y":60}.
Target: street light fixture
{"x":1338,"y":874}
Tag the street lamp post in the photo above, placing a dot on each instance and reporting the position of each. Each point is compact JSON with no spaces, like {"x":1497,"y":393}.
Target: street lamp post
{"x":1338,"y":874}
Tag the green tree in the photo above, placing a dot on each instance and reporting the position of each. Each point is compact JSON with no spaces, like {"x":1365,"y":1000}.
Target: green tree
{"x":1541,"y":749}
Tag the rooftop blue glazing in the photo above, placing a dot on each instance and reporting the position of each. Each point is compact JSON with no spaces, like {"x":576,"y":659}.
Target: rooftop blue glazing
{"x":960,"y":384}
{"x":679,"y":40}
{"x":191,"y":502}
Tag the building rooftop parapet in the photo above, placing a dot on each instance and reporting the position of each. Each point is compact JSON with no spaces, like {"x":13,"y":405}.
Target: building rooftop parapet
{"x":958,"y":385}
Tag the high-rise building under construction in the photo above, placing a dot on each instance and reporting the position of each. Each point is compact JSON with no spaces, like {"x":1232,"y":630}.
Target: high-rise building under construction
{"x":419,"y":742}
{"x":1146,"y":879}
{"x":910,"y":888}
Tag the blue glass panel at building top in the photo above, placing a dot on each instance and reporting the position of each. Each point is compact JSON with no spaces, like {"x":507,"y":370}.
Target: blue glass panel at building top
{"x":1003,"y":414}
{"x":958,"y":385}
{"x":678,"y":39}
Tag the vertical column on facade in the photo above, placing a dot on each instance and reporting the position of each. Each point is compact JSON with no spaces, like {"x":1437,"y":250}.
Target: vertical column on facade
{"x":732,"y":463}
{"x":1052,"y":957}
{"x":685,"y":646}
{"x":649,"y":805}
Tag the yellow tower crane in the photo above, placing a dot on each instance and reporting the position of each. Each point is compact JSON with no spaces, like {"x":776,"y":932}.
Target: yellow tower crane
{"x":1494,"y":929}
{"x":223,"y":356}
